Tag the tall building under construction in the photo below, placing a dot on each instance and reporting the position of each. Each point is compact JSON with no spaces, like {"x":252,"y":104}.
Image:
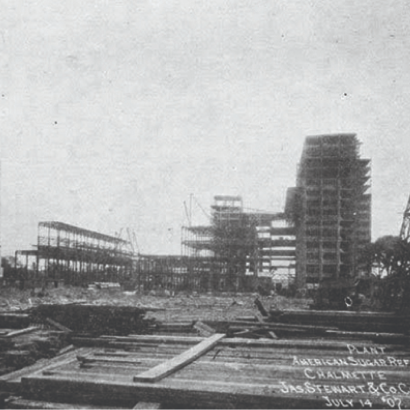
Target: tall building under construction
{"x":239,"y":245}
{"x":331,"y":209}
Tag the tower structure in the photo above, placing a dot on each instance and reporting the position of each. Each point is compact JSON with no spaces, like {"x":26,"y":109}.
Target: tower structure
{"x":405,"y":226}
{"x":233,"y":234}
{"x":239,"y":245}
{"x":331,"y":209}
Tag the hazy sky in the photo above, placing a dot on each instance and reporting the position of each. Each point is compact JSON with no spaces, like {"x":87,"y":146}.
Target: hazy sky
{"x":113,"y":112}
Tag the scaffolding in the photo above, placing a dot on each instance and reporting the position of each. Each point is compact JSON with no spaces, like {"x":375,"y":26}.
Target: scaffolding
{"x":240,"y":246}
{"x":74,"y":255}
{"x":330,"y":208}
{"x":171,"y":273}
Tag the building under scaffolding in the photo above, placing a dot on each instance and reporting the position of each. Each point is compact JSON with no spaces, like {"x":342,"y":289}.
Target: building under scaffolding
{"x":171,"y":273}
{"x":238,"y":247}
{"x":319,"y":236}
{"x":74,"y":255}
{"x":330,"y":208}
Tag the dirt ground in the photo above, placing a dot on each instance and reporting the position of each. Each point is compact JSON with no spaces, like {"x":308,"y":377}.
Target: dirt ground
{"x":165,"y":307}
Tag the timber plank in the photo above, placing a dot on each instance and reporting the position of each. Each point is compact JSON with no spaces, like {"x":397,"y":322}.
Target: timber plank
{"x":19,"y":403}
{"x":203,"y":329}
{"x":345,"y":320}
{"x":333,"y":313}
{"x":86,"y":359}
{"x":172,"y":365}
{"x":134,"y":341}
{"x":147,"y":405}
{"x":20,"y":332}
{"x":269,"y":353}
{"x":59,"y":326}
{"x":66,"y":349}
{"x":156,"y":339}
{"x":11,"y":381}
{"x":254,"y":357}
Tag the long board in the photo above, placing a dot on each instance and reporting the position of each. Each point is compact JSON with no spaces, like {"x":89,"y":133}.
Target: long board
{"x":170,"y":366}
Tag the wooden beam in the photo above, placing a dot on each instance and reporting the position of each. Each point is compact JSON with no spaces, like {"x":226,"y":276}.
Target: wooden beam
{"x":66,"y":349}
{"x":85,"y":359}
{"x":19,"y":403}
{"x":133,"y":342}
{"x":176,"y":363}
{"x":11,"y":381}
{"x":147,"y":405}
{"x":59,"y":326}
{"x":155,"y":339}
{"x":203,"y":329}
{"x":20,"y":332}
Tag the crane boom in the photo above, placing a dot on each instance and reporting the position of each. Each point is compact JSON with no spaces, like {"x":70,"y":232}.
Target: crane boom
{"x":405,"y":226}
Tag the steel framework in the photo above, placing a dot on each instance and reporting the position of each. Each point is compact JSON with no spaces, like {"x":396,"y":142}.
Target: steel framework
{"x":331,"y":208}
{"x":405,"y":227}
{"x":240,"y":245}
{"x":75,"y":255}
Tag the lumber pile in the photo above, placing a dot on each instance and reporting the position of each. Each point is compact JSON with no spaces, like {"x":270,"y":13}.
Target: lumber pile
{"x":387,"y":322}
{"x":256,"y":327}
{"x":378,"y":327}
{"x":175,"y":327}
{"x":272,"y":359}
{"x":14,"y":320}
{"x":23,"y":347}
{"x":22,"y":343}
{"x":44,"y":331}
{"x":94,"y":319}
{"x":149,"y":371}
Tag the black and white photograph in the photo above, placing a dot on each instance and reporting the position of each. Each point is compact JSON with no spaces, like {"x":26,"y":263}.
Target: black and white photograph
{"x":205,"y":204}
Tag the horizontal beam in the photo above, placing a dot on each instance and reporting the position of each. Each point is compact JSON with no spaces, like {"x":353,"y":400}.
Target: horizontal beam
{"x":176,"y":363}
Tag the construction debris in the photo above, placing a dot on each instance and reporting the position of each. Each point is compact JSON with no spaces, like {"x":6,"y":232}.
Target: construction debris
{"x":43,"y":332}
{"x":79,"y":355}
{"x":344,"y":320}
{"x":229,"y":373}
{"x":11,"y":320}
{"x":203,"y":329}
{"x":93,"y":319}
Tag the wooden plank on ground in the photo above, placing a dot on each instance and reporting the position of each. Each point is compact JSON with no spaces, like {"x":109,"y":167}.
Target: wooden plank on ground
{"x":147,"y":405}
{"x":11,"y":381}
{"x":120,"y":342}
{"x":59,"y":326}
{"x":20,"y":332}
{"x":66,"y":349}
{"x":87,"y":360}
{"x":19,"y":403}
{"x":176,"y":363}
{"x":203,"y":329}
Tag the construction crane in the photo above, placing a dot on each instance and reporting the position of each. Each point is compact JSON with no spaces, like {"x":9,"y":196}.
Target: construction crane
{"x":396,"y":284}
{"x":132,"y":238}
{"x":405,"y":226}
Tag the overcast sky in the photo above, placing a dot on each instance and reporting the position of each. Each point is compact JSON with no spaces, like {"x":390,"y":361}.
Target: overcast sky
{"x":113,"y":112}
